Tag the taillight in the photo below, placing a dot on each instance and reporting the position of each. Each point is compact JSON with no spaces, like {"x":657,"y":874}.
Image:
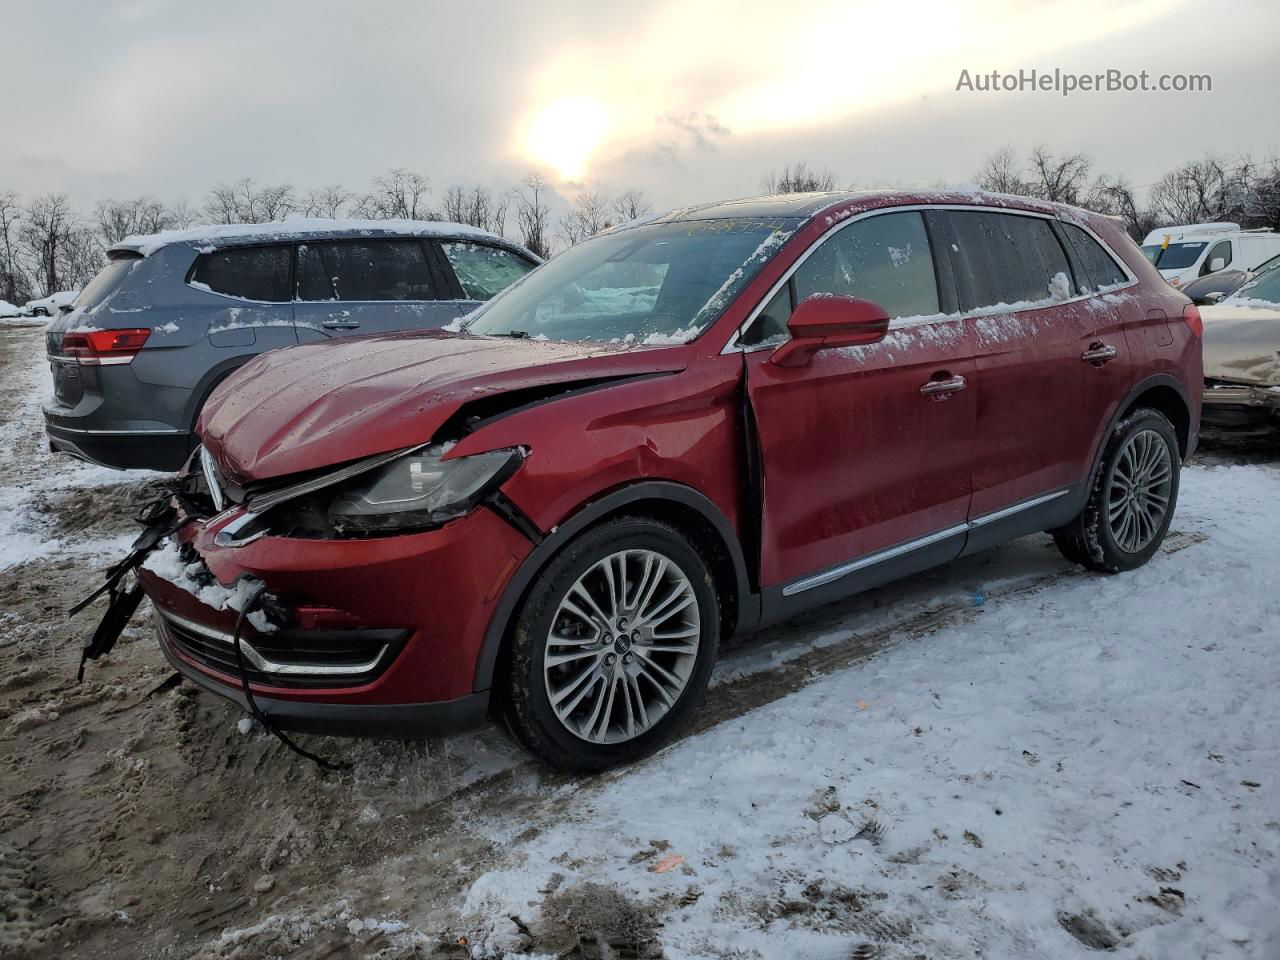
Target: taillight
{"x":103,"y":347}
{"x":1191,"y":315}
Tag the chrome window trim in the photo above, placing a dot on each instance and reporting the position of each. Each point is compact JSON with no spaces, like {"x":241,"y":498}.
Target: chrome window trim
{"x":733,"y":346}
{"x":271,"y":666}
{"x":831,"y":574}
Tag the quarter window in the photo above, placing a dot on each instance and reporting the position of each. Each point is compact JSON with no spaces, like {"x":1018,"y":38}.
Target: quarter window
{"x":884,"y":259}
{"x":484,"y":271}
{"x":364,"y":270}
{"x":250,"y":273}
{"x":1099,"y":267}
{"x":1008,"y":259}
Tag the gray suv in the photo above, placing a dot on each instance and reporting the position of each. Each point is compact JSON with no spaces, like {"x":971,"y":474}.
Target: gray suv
{"x":171,"y":315}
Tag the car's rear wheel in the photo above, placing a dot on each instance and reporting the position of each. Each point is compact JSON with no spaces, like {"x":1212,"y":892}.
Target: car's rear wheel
{"x":613,"y":646}
{"x":1133,"y":498}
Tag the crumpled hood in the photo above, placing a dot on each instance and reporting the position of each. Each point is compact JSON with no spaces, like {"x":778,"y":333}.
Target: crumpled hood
{"x":1242,"y":344}
{"x":315,"y":405}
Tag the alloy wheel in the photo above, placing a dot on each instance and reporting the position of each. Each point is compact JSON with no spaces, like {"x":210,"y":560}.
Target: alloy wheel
{"x":622,"y":646}
{"x":1140,"y":489}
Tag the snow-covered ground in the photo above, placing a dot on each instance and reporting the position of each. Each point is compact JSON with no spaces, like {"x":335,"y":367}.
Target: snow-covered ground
{"x":28,"y":470}
{"x":1003,"y":758}
{"x":1095,"y":761}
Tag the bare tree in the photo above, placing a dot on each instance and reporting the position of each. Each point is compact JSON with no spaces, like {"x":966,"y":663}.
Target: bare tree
{"x":533,"y":216}
{"x":799,"y":179}
{"x":221,"y":205}
{"x":44,"y":232}
{"x":1001,"y":173}
{"x":587,"y":217}
{"x":1114,"y":197}
{"x":1061,"y":179}
{"x":1195,"y":192}
{"x":117,"y":219}
{"x":273,"y":203}
{"x":181,"y":214}
{"x":325,"y":201}
{"x":13,"y":279}
{"x":631,"y":205}
{"x":399,"y":194}
{"x":246,"y":202}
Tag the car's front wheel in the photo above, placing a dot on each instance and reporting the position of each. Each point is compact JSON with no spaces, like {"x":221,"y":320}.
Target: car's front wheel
{"x":613,"y":646}
{"x":1133,"y":497}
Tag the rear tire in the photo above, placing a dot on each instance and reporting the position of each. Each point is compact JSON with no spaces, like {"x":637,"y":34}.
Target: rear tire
{"x":613,"y":646}
{"x":1133,"y":497}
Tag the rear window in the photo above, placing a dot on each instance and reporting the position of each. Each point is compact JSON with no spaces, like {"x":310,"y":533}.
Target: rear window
{"x":106,"y":281}
{"x":250,"y":273}
{"x":1008,"y":259}
{"x":484,"y":271}
{"x":364,"y":270}
{"x":1100,"y":269}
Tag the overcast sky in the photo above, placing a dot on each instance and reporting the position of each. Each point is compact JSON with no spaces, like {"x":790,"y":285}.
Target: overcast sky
{"x":688,"y":100}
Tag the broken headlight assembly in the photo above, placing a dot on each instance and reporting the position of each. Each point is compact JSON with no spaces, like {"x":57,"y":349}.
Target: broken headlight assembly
{"x":418,"y":491}
{"x":415,"y":490}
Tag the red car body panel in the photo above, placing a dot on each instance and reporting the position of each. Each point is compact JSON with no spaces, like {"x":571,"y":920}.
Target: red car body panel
{"x":301,"y":409}
{"x":845,"y":480}
{"x":804,"y":467}
{"x":371,"y":584}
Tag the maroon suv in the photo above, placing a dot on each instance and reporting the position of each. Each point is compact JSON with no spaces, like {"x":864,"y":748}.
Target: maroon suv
{"x":673,"y":432}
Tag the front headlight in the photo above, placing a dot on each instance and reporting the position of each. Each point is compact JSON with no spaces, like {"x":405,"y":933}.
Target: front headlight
{"x":419,"y":490}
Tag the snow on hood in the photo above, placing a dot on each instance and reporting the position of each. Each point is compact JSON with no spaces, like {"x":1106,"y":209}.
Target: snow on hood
{"x":1242,"y":343}
{"x":324,"y":403}
{"x":147,"y":244}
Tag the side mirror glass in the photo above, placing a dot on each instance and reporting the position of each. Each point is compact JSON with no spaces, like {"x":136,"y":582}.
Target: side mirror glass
{"x":825,"y":320}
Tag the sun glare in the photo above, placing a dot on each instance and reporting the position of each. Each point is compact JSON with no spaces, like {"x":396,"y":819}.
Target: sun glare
{"x":565,"y":133}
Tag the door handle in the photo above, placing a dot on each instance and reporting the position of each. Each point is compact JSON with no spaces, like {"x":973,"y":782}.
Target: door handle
{"x":1098,"y":353}
{"x":339,"y":324}
{"x":941,"y":388}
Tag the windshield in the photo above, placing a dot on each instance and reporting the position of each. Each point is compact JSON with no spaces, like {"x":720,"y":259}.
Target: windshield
{"x":1178,"y":256}
{"x":659,"y":284}
{"x":1265,"y":287}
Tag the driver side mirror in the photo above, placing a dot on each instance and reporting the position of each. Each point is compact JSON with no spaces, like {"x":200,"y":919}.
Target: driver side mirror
{"x":825,"y":320}
{"x":1216,"y":264}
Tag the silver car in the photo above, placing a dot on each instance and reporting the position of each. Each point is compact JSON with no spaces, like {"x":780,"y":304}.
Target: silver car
{"x":1242,"y":355}
{"x":171,"y":315}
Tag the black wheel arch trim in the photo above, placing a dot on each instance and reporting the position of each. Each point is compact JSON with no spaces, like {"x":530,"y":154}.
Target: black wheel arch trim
{"x":1138,"y":389}
{"x":748,"y":602}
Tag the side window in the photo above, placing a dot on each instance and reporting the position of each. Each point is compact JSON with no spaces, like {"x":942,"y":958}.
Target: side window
{"x":1219,"y":251}
{"x":484,"y":271}
{"x":885,"y":259}
{"x":1100,"y":269}
{"x":364,"y":270}
{"x":771,"y":322}
{"x":250,"y":273}
{"x":1003,"y":258}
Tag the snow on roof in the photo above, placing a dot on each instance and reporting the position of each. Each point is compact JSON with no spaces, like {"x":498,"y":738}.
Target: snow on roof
{"x":292,"y":229}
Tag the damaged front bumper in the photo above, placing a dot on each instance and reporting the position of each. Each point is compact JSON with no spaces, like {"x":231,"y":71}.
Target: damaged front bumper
{"x":1224,"y":393}
{"x":366,"y":637}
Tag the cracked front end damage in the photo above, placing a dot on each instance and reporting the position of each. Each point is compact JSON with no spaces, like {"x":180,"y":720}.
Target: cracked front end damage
{"x":1241,"y":361}
{"x":372,"y":636}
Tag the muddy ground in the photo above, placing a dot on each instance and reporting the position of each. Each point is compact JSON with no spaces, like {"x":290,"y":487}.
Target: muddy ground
{"x":139,"y":825}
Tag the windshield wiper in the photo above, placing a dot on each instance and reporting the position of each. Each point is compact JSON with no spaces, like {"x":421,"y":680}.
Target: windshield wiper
{"x":513,"y":334}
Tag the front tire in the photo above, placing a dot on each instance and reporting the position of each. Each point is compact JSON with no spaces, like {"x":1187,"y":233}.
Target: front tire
{"x":613,"y":646}
{"x":1133,"y":497}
